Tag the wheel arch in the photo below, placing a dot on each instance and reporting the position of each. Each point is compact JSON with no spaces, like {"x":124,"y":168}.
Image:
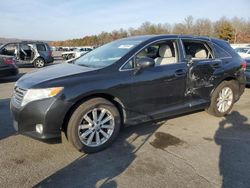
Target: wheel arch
{"x":229,"y":78}
{"x":39,"y":57}
{"x":114,"y":100}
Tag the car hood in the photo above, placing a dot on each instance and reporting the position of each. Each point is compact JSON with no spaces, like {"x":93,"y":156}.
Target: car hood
{"x":51,"y":73}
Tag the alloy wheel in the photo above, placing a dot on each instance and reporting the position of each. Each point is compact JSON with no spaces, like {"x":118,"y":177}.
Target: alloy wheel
{"x":96,"y":127}
{"x":40,"y":63}
{"x":225,"y":99}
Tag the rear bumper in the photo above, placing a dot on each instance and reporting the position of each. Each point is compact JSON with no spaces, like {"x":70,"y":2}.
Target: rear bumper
{"x":50,"y":60}
{"x":48,"y":112}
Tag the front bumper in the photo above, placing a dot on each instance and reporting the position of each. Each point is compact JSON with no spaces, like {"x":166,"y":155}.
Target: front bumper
{"x":48,"y":112}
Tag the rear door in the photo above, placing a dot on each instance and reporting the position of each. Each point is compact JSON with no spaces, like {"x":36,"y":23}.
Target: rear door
{"x":24,"y":53}
{"x":204,"y":69}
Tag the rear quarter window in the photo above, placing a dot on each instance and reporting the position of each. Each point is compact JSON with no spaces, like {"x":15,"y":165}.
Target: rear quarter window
{"x":220,"y":52}
{"x":41,"y":47}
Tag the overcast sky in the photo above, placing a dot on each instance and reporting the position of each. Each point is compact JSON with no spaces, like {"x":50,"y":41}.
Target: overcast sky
{"x":66,"y":19}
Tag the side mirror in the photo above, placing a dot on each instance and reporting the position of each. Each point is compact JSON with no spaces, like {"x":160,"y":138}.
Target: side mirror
{"x":144,"y":62}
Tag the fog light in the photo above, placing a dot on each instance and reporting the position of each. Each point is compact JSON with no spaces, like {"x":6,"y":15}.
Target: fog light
{"x":39,"y":128}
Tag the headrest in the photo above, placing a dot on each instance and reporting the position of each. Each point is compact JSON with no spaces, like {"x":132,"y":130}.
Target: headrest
{"x":165,"y":51}
{"x":201,"y":54}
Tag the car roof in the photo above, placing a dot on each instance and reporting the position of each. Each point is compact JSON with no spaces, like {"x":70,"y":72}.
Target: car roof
{"x":152,"y":37}
{"x":26,"y":42}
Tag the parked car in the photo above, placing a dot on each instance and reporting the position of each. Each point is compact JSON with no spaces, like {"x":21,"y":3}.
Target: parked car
{"x":243,"y":52}
{"x":8,"y":66}
{"x":31,"y":52}
{"x":248,"y":70}
{"x":76,"y":53}
{"x":128,"y":81}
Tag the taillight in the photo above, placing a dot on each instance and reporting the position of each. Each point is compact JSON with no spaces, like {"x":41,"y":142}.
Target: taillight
{"x":8,"y":61}
{"x":50,"y":53}
{"x":244,"y":65}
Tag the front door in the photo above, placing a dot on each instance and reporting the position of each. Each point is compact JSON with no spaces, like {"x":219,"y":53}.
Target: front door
{"x":157,"y":88}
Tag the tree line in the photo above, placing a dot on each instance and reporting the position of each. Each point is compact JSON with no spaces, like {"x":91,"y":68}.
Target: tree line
{"x":235,"y":30}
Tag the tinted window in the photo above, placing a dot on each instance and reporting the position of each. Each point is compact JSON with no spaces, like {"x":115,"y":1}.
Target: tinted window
{"x":41,"y":47}
{"x":225,"y":46}
{"x":197,"y":49}
{"x":220,"y":52}
{"x":128,"y":65}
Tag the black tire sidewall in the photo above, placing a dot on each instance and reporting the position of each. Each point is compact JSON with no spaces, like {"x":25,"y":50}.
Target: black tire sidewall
{"x":72,"y":129}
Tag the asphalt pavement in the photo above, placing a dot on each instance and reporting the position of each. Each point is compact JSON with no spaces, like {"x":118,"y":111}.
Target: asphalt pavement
{"x":192,"y":150}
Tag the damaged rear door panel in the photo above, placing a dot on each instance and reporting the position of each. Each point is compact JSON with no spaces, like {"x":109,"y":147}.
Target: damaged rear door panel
{"x":203,"y":69}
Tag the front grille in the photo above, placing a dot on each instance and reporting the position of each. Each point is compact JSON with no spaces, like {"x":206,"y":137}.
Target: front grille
{"x":18,"y":95}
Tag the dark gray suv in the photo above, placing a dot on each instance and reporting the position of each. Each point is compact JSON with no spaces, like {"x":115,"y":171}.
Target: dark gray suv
{"x":128,"y":81}
{"x":31,"y":52}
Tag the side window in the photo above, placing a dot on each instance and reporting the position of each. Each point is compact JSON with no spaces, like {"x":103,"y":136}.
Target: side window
{"x":197,"y":49}
{"x":129,"y":65}
{"x":9,"y":49}
{"x":163,"y":53}
{"x":41,"y":47}
{"x":220,"y":52}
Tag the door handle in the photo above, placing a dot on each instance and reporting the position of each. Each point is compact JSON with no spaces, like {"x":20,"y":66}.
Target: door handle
{"x":216,"y":65}
{"x":180,"y":72}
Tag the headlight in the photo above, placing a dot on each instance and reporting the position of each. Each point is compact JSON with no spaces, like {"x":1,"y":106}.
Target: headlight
{"x":37,"y":94}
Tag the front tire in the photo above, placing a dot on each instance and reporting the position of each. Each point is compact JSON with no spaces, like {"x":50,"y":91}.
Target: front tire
{"x":94,"y":125}
{"x":223,"y":98}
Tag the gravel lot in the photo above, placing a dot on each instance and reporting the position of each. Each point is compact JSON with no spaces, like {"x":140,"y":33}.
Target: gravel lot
{"x":195,"y":150}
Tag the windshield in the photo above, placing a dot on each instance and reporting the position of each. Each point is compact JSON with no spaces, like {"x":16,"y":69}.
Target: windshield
{"x":107,"y":54}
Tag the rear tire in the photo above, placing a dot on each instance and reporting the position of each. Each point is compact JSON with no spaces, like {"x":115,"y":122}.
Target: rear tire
{"x":94,"y":125}
{"x":223,"y":98}
{"x":39,"y":63}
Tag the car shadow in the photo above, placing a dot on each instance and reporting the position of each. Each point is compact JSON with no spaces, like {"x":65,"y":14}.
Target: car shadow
{"x":100,"y":169}
{"x":6,"y":127}
{"x":233,"y":135}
